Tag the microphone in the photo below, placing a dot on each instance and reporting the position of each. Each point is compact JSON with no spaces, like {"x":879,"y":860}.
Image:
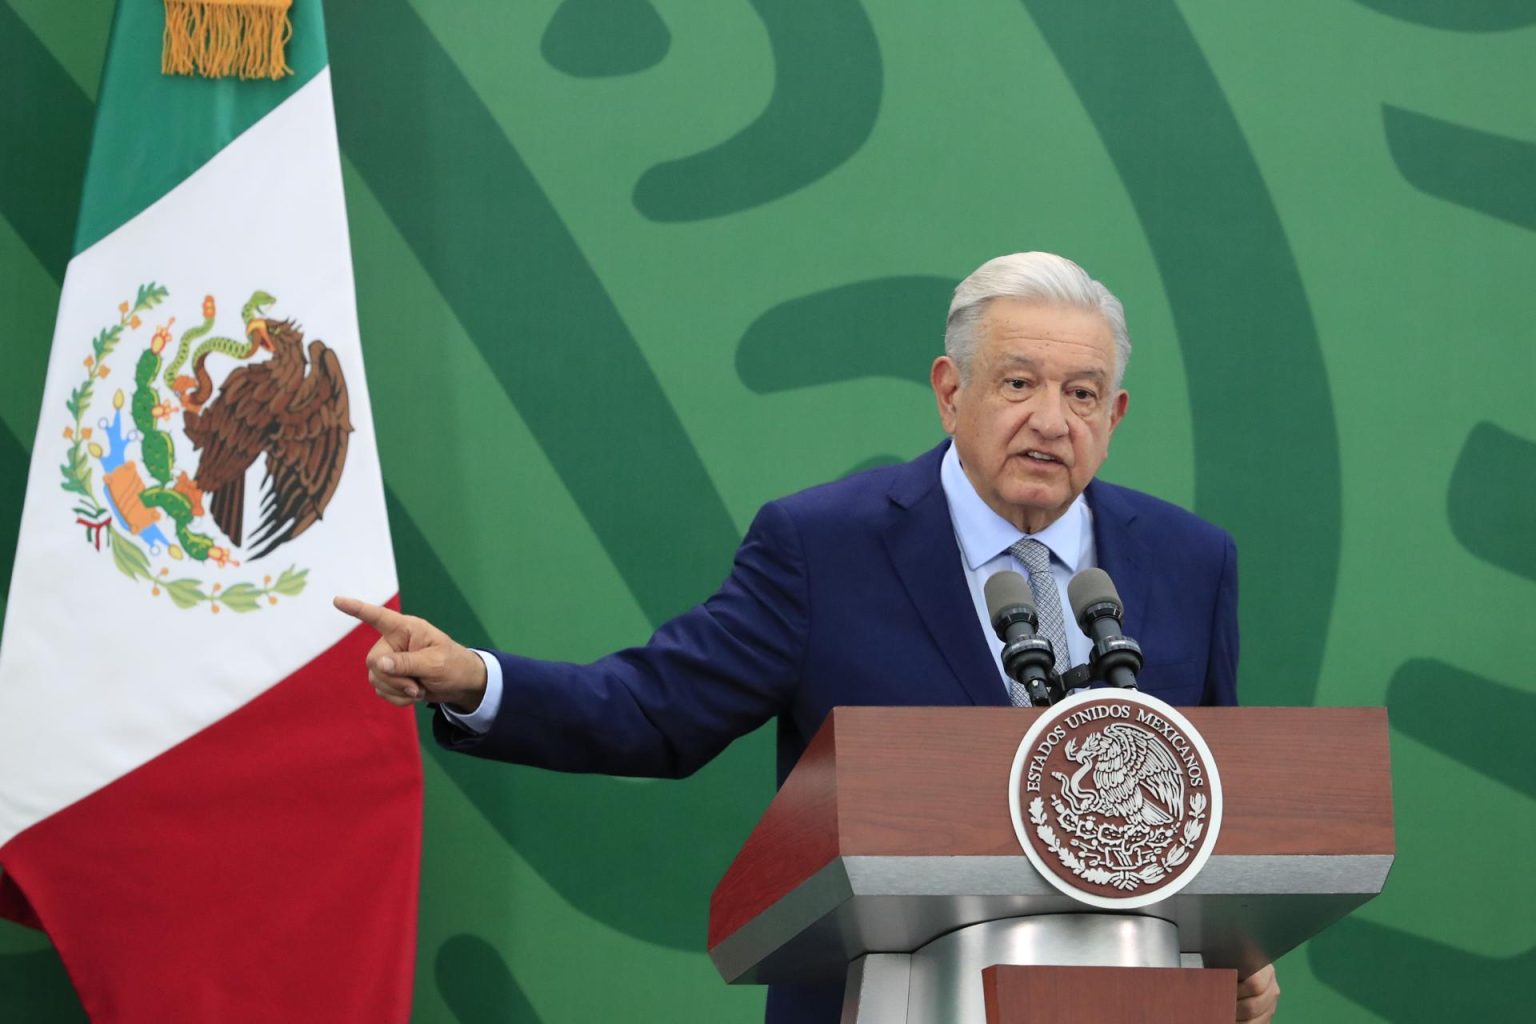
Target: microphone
{"x":1116,"y":658}
{"x":1027,"y":658}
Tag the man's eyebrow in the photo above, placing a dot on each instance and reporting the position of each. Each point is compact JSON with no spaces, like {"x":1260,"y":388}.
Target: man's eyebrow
{"x":1016,"y":362}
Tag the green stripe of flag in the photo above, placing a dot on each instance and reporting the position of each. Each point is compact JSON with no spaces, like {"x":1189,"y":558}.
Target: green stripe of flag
{"x":153,"y":130}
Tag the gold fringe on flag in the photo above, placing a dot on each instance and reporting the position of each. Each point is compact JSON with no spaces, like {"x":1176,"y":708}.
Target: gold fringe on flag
{"x":219,"y":38}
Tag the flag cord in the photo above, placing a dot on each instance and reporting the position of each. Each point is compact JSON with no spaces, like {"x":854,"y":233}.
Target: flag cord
{"x":219,"y":38}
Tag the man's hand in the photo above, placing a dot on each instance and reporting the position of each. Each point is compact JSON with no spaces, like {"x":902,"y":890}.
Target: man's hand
{"x":1257,"y":995}
{"x":414,"y":660}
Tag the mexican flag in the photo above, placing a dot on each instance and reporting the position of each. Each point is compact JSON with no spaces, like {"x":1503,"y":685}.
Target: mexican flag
{"x":201,"y":801}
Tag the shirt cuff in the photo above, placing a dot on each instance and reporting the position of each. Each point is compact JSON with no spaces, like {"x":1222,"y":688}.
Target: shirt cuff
{"x":479,"y":721}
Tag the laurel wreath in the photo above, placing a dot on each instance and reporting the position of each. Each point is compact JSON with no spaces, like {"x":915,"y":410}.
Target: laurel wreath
{"x":128,"y":555}
{"x":77,"y":465}
{"x":1194,"y":828}
{"x":1148,"y":874}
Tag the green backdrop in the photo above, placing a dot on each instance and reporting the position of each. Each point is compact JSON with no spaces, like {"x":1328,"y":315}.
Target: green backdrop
{"x":629,"y":268}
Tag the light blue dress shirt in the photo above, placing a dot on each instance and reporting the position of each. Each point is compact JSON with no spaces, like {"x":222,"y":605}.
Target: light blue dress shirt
{"x":984,"y":538}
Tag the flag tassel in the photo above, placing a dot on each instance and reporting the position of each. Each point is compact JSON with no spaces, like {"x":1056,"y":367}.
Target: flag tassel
{"x":220,"y":38}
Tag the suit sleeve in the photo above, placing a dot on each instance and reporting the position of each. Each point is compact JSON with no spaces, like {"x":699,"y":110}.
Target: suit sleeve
{"x":714,"y":673}
{"x":1221,"y":673}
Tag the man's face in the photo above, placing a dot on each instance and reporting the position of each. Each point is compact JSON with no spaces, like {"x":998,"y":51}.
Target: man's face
{"x":1033,"y":422}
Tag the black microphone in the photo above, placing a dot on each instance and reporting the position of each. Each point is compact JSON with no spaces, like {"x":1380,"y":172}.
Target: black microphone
{"x":1116,"y":658}
{"x":1027,"y":658}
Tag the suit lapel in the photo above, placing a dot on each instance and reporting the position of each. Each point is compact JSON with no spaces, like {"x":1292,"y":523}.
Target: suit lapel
{"x":920,"y":541}
{"x":1119,"y":551}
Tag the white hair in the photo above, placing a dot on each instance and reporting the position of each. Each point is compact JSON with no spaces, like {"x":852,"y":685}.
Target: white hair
{"x":1040,"y":277}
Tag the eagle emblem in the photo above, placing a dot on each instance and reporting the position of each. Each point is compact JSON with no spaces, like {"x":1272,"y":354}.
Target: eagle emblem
{"x":1131,"y":777}
{"x":160,"y":480}
{"x":1115,"y":798}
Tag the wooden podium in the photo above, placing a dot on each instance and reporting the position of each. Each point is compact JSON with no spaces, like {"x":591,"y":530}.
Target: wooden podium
{"x":889,"y":858}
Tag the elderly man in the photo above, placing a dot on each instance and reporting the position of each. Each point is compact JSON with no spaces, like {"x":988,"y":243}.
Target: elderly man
{"x":869,"y":590}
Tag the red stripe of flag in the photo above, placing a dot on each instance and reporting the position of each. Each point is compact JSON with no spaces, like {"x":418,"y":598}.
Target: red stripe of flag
{"x":265,"y":869}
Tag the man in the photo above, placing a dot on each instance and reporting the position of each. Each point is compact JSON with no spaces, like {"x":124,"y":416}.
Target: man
{"x":868,"y":591}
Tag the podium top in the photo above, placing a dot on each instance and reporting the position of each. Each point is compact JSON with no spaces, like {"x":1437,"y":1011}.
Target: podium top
{"x":895,"y":827}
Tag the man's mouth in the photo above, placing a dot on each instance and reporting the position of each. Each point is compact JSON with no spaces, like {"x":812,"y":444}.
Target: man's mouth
{"x":1039,"y":456}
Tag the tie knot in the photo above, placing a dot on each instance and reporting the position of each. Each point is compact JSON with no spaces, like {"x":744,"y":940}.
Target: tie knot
{"x":1033,"y":555}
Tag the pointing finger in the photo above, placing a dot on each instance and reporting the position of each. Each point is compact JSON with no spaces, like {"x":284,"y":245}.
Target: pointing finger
{"x":377,"y":616}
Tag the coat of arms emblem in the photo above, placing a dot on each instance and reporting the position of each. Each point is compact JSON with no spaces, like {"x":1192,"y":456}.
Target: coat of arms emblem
{"x":1115,"y":798}
{"x":159,"y":478}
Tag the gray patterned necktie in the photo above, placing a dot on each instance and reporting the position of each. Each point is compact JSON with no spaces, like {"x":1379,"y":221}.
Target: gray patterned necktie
{"x":1018,"y":696}
{"x":1036,"y":557}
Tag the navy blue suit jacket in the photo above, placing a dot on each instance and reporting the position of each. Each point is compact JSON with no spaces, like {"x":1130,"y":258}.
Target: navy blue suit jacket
{"x":852,"y":593}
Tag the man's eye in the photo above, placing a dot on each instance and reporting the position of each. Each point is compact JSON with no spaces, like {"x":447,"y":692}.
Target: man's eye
{"x":1083,"y":394}
{"x":1015,"y":383}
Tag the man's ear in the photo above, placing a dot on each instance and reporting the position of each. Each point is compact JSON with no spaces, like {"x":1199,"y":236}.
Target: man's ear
{"x":1117,"y":407}
{"x":945,"y":378}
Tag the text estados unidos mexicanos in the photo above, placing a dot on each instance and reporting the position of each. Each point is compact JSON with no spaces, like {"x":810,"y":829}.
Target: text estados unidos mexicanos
{"x":1177,"y":740}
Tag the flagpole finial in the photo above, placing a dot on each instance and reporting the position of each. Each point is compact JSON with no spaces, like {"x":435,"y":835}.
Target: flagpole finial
{"x":220,"y":38}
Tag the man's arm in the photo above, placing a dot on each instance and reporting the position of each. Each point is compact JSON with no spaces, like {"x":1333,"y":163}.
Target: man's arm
{"x":663,"y":709}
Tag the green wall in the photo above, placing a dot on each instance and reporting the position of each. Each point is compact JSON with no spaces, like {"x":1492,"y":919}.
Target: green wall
{"x":628,"y":269}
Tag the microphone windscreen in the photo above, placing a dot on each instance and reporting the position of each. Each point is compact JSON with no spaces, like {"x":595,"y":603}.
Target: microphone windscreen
{"x":1091,"y":587}
{"x":1007,"y":588}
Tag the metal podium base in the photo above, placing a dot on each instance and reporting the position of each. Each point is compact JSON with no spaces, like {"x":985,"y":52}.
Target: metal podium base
{"x":941,"y":982}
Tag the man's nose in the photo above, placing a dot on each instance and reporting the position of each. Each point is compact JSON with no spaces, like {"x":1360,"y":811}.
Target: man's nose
{"x":1048,"y":417}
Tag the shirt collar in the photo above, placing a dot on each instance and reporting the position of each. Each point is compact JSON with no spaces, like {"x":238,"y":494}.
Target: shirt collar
{"x":983,"y":534}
